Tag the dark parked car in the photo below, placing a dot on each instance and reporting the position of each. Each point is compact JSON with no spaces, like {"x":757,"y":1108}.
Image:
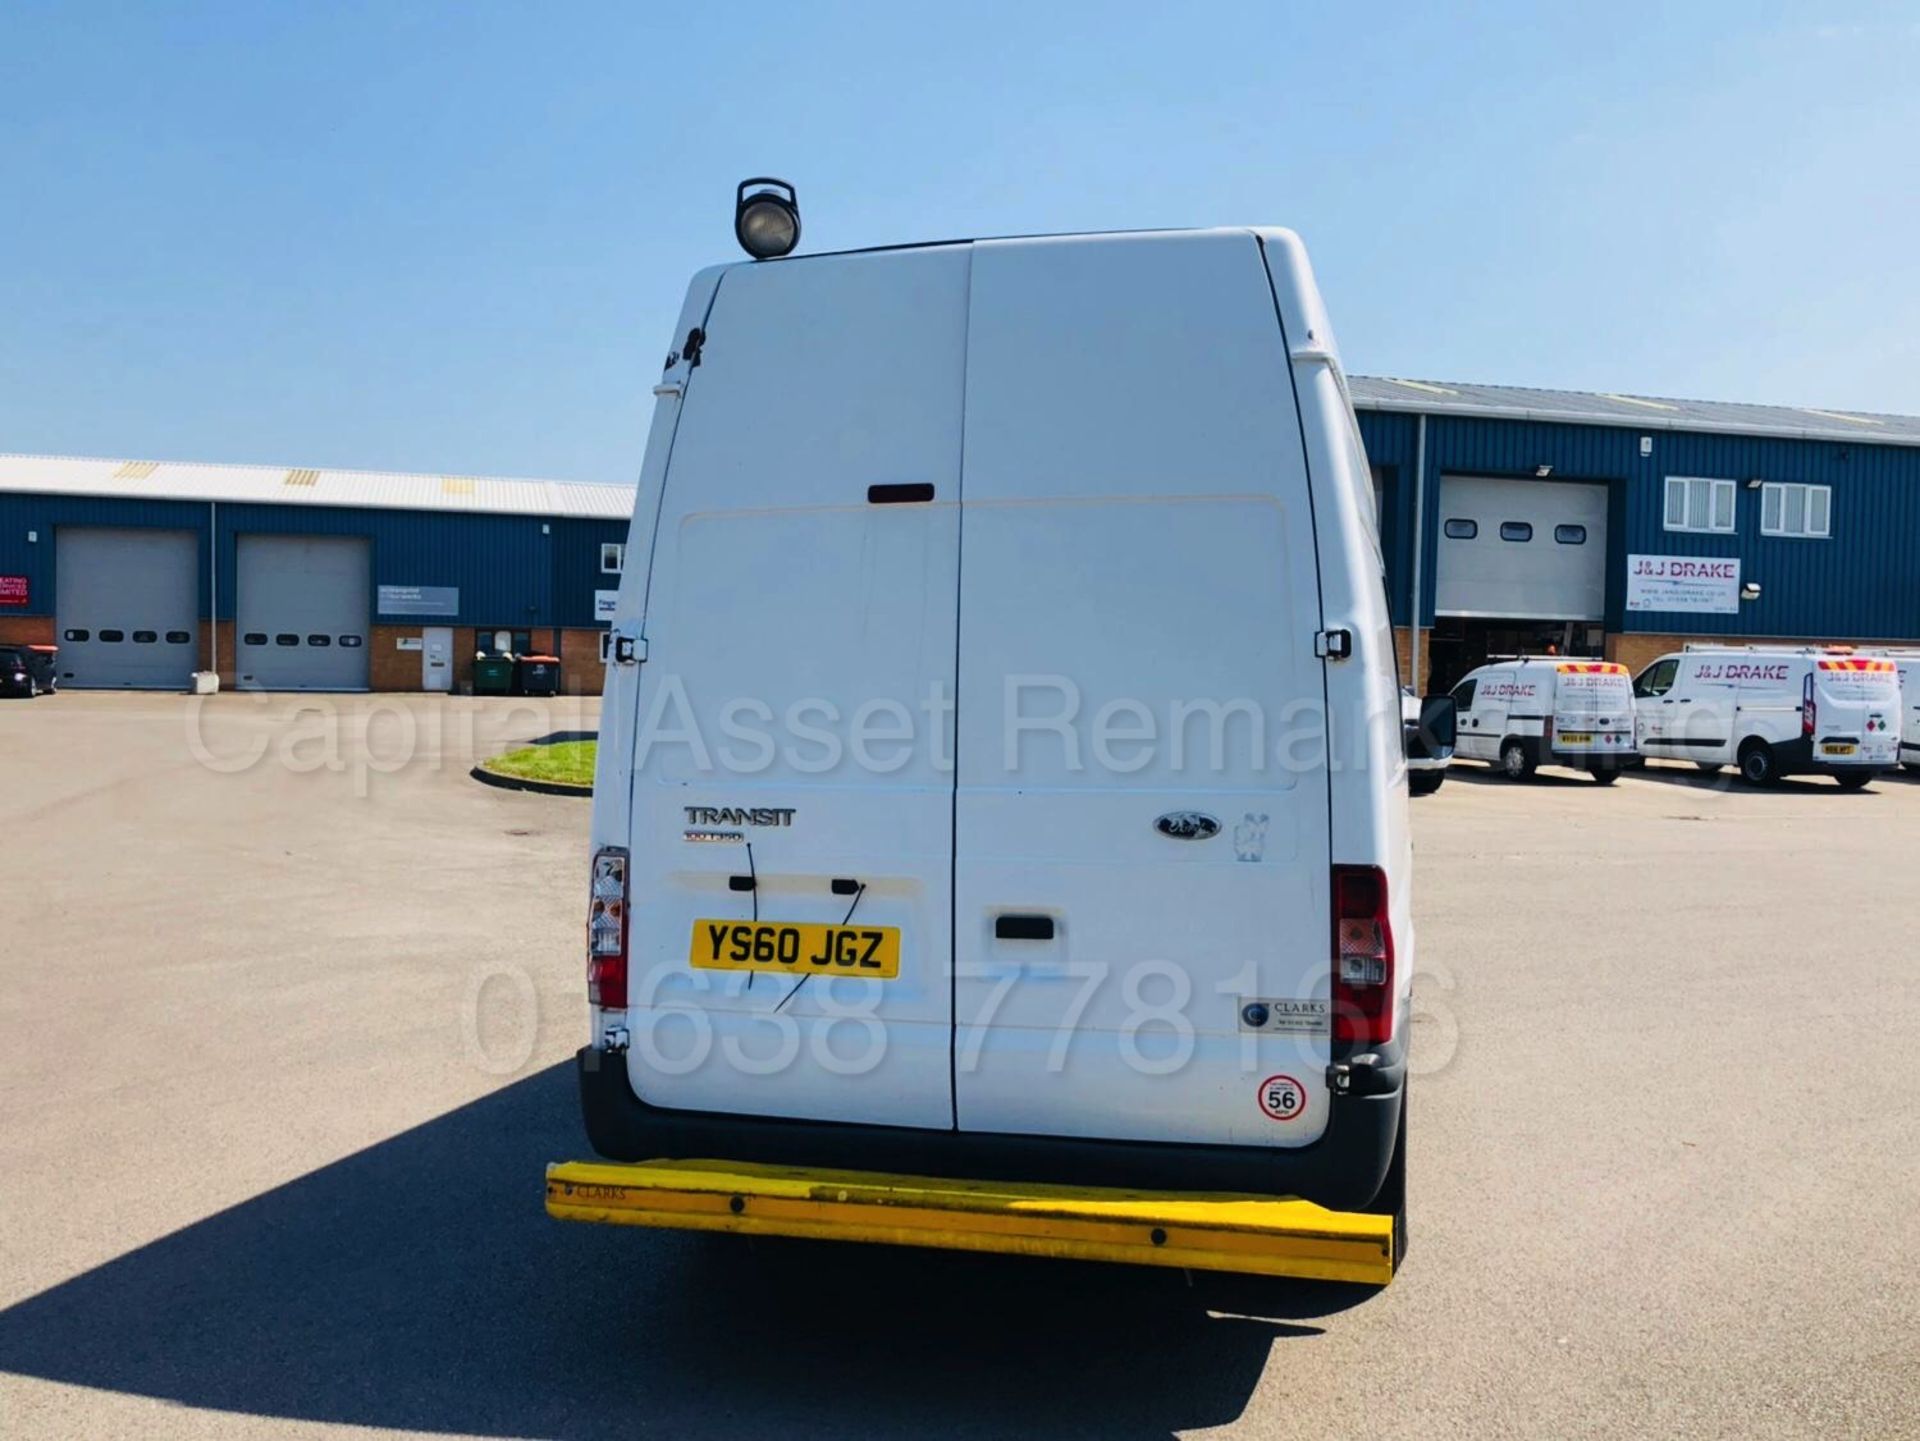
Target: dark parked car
{"x":1427,"y":727}
{"x":15,"y":677}
{"x":42,"y":666}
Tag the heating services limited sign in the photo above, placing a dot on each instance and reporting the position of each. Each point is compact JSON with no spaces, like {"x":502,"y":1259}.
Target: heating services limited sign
{"x":13,"y":590}
{"x":1707,"y":585}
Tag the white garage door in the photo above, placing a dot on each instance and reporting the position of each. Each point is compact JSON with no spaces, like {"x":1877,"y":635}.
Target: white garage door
{"x":127,"y":607}
{"x":1521,"y":549}
{"x":302,"y":607}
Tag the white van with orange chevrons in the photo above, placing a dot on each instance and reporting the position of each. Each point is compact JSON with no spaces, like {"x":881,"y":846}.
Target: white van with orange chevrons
{"x":1772,"y":711}
{"x":1524,"y":712}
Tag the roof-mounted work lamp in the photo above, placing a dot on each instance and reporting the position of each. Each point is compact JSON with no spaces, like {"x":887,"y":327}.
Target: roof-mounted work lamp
{"x":767,"y":221}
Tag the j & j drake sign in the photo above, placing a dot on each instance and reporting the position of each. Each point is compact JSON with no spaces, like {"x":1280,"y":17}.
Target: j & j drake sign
{"x":1706,"y":584}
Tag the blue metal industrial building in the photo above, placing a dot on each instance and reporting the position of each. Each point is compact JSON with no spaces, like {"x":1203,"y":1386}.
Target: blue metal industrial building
{"x":1693,"y":520}
{"x":1602,"y":524}
{"x":142,"y":572}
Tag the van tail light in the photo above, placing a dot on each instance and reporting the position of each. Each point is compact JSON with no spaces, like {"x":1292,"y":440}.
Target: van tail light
{"x":1807,"y":708}
{"x":607,"y":930}
{"x":1362,"y":956}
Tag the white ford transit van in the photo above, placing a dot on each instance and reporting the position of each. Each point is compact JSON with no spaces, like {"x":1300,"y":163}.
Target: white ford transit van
{"x":1772,"y":711}
{"x":1000,"y":769}
{"x":1528,"y":711}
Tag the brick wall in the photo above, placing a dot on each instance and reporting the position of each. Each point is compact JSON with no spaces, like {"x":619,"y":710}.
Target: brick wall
{"x":1403,"y":647}
{"x":390,"y":668}
{"x":580,"y":670}
{"x":224,"y":631}
{"x":26,"y":629}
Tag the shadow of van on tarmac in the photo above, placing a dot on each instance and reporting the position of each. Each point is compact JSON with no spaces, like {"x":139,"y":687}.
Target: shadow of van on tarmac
{"x":419,"y":1284}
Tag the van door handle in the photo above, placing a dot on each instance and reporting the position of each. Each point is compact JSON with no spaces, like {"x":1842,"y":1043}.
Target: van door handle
{"x":1023,"y":928}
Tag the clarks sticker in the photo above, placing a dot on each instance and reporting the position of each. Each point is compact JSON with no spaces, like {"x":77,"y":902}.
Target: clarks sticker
{"x":1284,"y":1017}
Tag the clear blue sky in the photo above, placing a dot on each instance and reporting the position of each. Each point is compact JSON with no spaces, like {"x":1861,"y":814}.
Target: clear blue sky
{"x":453,"y":237}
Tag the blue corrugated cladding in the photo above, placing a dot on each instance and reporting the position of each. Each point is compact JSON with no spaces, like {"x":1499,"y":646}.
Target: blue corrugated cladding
{"x":501,"y":564}
{"x":576,"y":566}
{"x":1389,"y":439}
{"x":41,"y":515}
{"x":1862,"y":583}
{"x":509,"y":569}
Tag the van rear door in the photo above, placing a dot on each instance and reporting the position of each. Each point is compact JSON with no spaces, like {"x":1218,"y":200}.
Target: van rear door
{"x":799,"y":632}
{"x":1142,"y":810}
{"x":1857,"y":710}
{"x":1908,"y":670}
{"x":1592,"y":708}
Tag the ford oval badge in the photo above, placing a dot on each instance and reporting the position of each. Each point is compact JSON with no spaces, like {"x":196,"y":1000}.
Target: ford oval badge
{"x":1187,"y":826}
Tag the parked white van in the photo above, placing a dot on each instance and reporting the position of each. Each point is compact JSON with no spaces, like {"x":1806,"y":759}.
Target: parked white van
{"x":1772,"y":711}
{"x":1000,"y":769}
{"x":1524,"y":712}
{"x":1906,"y":662}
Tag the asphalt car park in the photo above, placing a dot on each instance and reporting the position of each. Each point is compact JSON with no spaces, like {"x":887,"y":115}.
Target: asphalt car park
{"x":289,"y":1001}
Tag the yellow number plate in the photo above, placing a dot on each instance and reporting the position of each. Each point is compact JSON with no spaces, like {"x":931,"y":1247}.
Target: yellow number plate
{"x":1836,"y":748}
{"x":798,"y":948}
{"x":1576,"y":738}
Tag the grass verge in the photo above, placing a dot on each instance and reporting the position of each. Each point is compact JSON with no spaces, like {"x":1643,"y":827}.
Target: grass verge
{"x":568,"y":763}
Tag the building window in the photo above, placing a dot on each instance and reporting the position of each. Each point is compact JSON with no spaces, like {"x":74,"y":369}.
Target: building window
{"x":319,"y":640}
{"x":613,"y":558}
{"x":1570,"y":534}
{"x":77,"y":636}
{"x":1462,"y":529}
{"x":179,"y":637}
{"x":351,"y":642}
{"x":1804,"y":511}
{"x":113,"y":637}
{"x":145,"y":637}
{"x":1515,"y":530}
{"x":254,"y":637}
{"x":1694,"y":504}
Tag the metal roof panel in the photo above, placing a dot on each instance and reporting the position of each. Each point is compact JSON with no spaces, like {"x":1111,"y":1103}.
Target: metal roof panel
{"x":1579,"y":407}
{"x":281,"y":485}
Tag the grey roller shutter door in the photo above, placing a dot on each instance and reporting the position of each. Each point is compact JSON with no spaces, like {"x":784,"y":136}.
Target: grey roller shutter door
{"x":302,"y":609}
{"x":1521,"y":549}
{"x":126,"y":606}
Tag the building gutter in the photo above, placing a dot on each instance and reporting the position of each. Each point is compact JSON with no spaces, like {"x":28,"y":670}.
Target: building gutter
{"x":1864,"y":436}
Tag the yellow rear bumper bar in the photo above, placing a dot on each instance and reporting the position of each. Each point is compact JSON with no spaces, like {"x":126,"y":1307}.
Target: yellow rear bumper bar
{"x":1247,"y":1234}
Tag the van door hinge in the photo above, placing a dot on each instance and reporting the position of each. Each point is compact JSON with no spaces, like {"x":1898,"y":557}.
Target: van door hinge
{"x":629,"y":649}
{"x":689,"y":350}
{"x":1333,"y":644}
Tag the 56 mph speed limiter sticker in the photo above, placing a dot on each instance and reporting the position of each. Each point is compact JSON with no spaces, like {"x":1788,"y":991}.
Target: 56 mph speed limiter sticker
{"x":1282,"y":1098}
